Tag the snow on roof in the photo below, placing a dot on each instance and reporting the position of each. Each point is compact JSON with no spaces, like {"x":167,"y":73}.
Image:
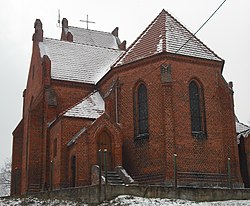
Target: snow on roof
{"x":95,"y":38}
{"x":78,"y":62}
{"x":90,"y":107}
{"x":240,"y":127}
{"x":242,"y":130}
{"x":165,"y":33}
{"x":76,"y":136}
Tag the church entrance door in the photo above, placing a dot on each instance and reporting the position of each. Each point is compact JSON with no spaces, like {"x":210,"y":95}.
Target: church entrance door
{"x":105,"y":143}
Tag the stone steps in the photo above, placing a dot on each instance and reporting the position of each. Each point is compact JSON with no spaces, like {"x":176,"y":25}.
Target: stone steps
{"x":114,"y":178}
{"x":33,"y":188}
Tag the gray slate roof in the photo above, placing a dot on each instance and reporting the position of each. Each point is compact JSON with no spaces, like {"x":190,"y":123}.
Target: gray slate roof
{"x":242,"y":129}
{"x":90,"y":107}
{"x":165,"y":33}
{"x":94,"y":38}
{"x":78,"y":62}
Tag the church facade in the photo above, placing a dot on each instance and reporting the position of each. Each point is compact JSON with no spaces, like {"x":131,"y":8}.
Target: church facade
{"x":159,"y":104}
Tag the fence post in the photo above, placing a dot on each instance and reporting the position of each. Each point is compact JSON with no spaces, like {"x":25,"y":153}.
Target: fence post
{"x":105,"y":166}
{"x":229,"y":172}
{"x":100,"y":166}
{"x":105,"y":172}
{"x":175,"y":171}
{"x":51,"y":174}
{"x":100,"y":173}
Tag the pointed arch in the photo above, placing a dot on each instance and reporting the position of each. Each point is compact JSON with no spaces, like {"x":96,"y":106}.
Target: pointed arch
{"x":197,"y":109}
{"x":141,"y":111}
{"x":104,"y":143}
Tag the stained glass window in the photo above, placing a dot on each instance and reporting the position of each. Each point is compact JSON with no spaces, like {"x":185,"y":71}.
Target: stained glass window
{"x":141,"y":112}
{"x":142,"y":109}
{"x":197,"y":109}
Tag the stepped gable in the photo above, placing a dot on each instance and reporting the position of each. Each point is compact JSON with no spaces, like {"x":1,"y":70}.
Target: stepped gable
{"x":78,"y":62}
{"x":166,"y":34}
{"x":90,"y":107}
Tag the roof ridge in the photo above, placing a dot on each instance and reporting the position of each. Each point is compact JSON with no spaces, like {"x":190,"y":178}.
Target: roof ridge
{"x":136,"y":40}
{"x":91,"y":30}
{"x":193,"y":36}
{"x":243,"y":124}
{"x":78,"y":43}
{"x":166,"y":34}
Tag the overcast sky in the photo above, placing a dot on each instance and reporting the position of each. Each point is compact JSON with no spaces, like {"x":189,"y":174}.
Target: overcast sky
{"x":227,"y":34}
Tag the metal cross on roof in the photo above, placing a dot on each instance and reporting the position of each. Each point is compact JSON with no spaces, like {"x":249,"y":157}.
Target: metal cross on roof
{"x":87,"y":21}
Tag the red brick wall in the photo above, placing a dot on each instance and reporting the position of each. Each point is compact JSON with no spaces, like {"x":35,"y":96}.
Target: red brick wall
{"x":31,"y":98}
{"x":69,"y":93}
{"x":17,"y":160}
{"x":170,"y":121}
{"x":55,"y":160}
{"x":38,"y":112}
{"x":64,"y":130}
{"x":246,"y":141}
{"x":35,"y":144}
{"x":87,"y":148}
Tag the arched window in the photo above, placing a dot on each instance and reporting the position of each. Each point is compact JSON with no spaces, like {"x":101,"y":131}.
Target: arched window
{"x":197,"y":110}
{"x":141,"y":112}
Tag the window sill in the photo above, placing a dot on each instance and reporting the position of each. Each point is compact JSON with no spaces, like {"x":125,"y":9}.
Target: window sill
{"x":199,"y":134}
{"x":143,"y":136}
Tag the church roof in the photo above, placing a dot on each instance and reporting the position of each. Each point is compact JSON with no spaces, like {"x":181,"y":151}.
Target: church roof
{"x":94,"y":38}
{"x":78,"y":62}
{"x":242,"y":128}
{"x":91,"y":107}
{"x":166,"y":34}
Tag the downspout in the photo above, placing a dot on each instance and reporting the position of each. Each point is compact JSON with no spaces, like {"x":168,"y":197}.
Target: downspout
{"x":116,"y":105}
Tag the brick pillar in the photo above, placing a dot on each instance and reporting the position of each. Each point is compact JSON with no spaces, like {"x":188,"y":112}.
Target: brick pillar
{"x":17,"y":160}
{"x":35,"y":149}
{"x":169,"y":121}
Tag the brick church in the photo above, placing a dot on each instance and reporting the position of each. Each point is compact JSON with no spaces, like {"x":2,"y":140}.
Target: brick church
{"x":163,"y":97}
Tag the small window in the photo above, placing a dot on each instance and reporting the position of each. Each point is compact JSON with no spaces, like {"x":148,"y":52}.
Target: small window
{"x":141,"y":112}
{"x":197,"y":110}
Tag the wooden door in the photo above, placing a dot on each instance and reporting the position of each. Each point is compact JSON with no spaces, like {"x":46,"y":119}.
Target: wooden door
{"x":105,"y":143}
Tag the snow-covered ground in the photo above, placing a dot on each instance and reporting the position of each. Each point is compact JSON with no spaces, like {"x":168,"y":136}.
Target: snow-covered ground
{"x":136,"y":201}
{"x":36,"y":202}
{"x":124,"y":200}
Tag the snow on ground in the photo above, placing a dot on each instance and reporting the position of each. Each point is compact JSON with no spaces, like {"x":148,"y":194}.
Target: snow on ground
{"x":124,"y":200}
{"x":35,"y":202}
{"x":127,"y":200}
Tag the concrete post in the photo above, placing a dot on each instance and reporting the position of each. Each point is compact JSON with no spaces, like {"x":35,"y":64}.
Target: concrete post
{"x":175,"y":171}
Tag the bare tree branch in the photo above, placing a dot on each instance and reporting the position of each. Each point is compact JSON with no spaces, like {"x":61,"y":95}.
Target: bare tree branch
{"x":5,"y":178}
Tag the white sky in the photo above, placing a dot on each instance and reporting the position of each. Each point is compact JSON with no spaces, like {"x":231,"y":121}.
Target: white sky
{"x":227,"y":34}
